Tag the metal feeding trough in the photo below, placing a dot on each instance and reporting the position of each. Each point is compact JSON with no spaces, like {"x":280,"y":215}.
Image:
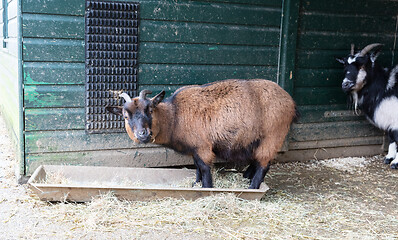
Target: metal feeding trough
{"x":82,"y":183}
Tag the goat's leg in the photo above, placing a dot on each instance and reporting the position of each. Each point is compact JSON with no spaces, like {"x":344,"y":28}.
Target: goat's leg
{"x":258,"y":177}
{"x":392,"y":148}
{"x":203,"y":158}
{"x":394,"y":163}
{"x":250,"y":171}
{"x":266,"y":151}
{"x":198,"y":172}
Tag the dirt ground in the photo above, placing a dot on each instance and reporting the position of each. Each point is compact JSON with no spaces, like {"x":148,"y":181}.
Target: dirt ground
{"x":352,"y":198}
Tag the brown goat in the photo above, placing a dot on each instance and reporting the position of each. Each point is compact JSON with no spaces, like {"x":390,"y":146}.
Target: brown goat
{"x":240,"y":120}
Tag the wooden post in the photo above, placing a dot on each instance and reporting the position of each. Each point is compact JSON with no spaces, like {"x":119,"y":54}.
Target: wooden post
{"x":287,"y":49}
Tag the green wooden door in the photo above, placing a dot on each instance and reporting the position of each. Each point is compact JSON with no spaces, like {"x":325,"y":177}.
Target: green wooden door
{"x":326,"y":30}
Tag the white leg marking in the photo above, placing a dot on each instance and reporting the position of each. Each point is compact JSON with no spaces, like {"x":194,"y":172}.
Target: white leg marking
{"x":395,"y":161}
{"x":392,"y":151}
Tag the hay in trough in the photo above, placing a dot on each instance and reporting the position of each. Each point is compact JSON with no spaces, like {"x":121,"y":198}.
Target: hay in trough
{"x":222,"y":179}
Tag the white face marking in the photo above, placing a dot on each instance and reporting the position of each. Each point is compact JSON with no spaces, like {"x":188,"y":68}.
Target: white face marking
{"x":386,"y":114}
{"x":351,"y":59}
{"x":392,"y":151}
{"x":360,"y":80}
{"x":346,"y":80}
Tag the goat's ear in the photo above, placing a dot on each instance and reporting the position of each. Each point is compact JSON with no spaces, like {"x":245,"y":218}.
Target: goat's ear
{"x":340,"y":60}
{"x":115,"y":110}
{"x":374,"y":55}
{"x":158,"y":98}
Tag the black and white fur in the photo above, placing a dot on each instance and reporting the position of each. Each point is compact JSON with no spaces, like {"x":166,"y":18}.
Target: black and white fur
{"x":374,"y":91}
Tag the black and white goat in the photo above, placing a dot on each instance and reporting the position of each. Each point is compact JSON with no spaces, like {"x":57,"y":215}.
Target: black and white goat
{"x":374,"y":91}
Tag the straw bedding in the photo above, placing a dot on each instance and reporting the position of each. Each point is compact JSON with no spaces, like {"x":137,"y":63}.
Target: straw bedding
{"x":316,"y":200}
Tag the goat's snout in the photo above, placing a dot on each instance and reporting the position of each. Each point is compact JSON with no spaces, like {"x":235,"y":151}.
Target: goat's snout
{"x":347,"y":85}
{"x":143,"y":135}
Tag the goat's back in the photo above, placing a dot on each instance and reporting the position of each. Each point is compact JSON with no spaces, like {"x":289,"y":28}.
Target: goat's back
{"x":232,"y":113}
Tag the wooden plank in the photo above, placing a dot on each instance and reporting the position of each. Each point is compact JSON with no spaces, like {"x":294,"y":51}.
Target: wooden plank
{"x":327,"y":113}
{"x":73,"y":73}
{"x":53,"y":73}
{"x":322,"y":59}
{"x":347,"y":23}
{"x":59,"y":50}
{"x":332,"y":130}
{"x":41,"y":96}
{"x":70,"y":7}
{"x":171,"y":74}
{"x":319,"y":77}
{"x":208,"y":54}
{"x":322,"y":39}
{"x":169,"y":89}
{"x":363,"y":141}
{"x":180,"y":32}
{"x":373,"y":8}
{"x":177,"y":11}
{"x":327,"y":153}
{"x":55,"y":26}
{"x":270,"y":3}
{"x":77,"y":140}
{"x":52,"y":26}
{"x":137,"y":157}
{"x":54,"y":119}
{"x":319,"y":96}
{"x":210,"y":12}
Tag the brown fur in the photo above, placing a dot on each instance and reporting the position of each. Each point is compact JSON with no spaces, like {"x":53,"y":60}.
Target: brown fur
{"x":233,"y":113}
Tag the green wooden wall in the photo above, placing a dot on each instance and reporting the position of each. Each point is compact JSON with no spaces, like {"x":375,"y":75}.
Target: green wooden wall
{"x":181,"y":42}
{"x":195,"y":42}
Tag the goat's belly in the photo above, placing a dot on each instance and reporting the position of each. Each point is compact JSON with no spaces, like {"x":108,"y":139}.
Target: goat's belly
{"x":386,"y":114}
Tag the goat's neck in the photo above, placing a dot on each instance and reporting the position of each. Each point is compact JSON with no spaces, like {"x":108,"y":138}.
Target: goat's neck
{"x":162,"y":123}
{"x":377,"y":77}
{"x":373,"y":91}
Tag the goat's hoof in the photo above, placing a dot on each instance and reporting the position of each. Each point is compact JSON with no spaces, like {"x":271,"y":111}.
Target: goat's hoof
{"x":388,"y":160}
{"x":394,"y":166}
{"x":196,"y":183}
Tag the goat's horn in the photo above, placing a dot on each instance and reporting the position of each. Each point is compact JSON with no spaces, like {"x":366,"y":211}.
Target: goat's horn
{"x":143,"y":94}
{"x":366,"y":49}
{"x":126,"y":97}
{"x":352,"y":48}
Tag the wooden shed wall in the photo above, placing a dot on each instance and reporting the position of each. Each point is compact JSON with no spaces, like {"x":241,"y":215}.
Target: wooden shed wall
{"x":10,"y":87}
{"x":181,"y":42}
{"x":194,"y":42}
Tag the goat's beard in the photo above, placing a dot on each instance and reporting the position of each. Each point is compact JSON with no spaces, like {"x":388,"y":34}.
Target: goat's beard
{"x":354,"y":100}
